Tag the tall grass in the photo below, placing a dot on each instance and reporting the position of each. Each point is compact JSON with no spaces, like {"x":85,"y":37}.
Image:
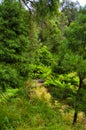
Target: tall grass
{"x":22,"y":113}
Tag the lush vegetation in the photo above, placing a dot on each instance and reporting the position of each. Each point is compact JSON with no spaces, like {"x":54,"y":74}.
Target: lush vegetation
{"x":42,"y":65}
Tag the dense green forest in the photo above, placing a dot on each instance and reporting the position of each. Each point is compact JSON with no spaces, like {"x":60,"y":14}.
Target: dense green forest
{"x":42,"y":65}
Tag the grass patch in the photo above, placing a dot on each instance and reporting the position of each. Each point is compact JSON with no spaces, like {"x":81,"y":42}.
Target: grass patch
{"x":22,"y":113}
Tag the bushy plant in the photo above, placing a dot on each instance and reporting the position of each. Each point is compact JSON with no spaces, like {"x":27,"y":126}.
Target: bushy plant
{"x":45,"y":56}
{"x":40,"y":71}
{"x":13,"y":44}
{"x":63,"y":87}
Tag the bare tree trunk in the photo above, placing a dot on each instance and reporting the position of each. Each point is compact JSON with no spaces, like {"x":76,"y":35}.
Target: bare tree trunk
{"x":75,"y":117}
{"x":76,"y":107}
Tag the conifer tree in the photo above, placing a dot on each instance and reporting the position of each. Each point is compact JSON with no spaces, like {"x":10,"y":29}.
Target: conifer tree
{"x":13,"y":44}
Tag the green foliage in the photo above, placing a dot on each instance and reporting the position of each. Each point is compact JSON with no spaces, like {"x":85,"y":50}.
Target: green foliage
{"x":22,"y":113}
{"x":64,"y":87}
{"x":6,"y":96}
{"x":13,"y":44}
{"x":70,"y":9}
{"x":75,"y":57}
{"x":46,"y":8}
{"x":50,"y":34}
{"x":45,"y":56}
{"x":40,"y":71}
{"x":72,"y":62}
{"x":41,"y":67}
{"x":76,"y":35}
{"x":48,"y":44}
{"x":9,"y":76}
{"x":35,"y":114}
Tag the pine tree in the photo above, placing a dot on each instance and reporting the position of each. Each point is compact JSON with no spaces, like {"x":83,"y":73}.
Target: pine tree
{"x":13,"y":44}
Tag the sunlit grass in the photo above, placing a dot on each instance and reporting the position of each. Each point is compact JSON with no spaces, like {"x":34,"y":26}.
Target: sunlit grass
{"x":35,"y":113}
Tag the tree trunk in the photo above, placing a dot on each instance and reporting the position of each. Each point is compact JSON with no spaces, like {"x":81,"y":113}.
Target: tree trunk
{"x":76,"y":107}
{"x":75,"y":117}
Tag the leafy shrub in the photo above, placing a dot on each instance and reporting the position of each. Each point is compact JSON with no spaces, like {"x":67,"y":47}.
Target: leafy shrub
{"x":45,"y":56}
{"x":40,"y":71}
{"x":63,"y":87}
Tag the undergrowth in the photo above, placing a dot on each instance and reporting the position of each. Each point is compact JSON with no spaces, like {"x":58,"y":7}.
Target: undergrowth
{"x":23,"y":113}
